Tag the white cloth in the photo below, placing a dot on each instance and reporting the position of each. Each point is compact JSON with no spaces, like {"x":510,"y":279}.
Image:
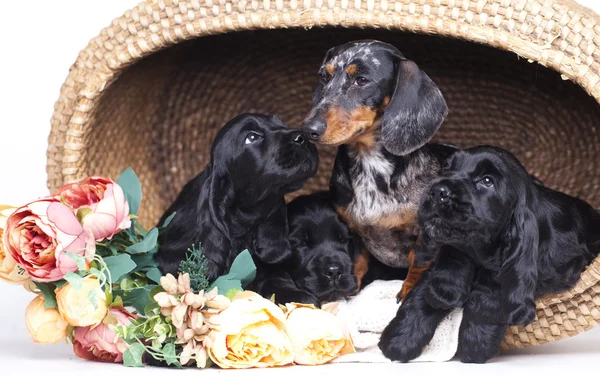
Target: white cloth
{"x":369,"y":312}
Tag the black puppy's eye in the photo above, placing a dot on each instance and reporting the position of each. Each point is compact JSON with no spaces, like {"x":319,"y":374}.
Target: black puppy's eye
{"x":252,"y":137}
{"x":361,"y":81}
{"x":486,"y":181}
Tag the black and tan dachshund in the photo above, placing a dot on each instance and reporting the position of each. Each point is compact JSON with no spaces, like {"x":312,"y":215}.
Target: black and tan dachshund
{"x":382,"y":110}
{"x":321,"y":268}
{"x":500,"y":240}
{"x":237,"y":201}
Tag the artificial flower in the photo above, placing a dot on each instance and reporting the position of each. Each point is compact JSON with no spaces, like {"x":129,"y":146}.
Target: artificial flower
{"x":38,"y":234}
{"x":249,"y":333}
{"x":10,"y":271}
{"x":317,"y":336}
{"x":45,"y":326}
{"x":100,"y":343}
{"x":76,"y":306}
{"x":99,"y":203}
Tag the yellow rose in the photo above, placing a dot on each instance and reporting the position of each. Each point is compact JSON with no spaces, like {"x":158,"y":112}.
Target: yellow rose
{"x":75,"y":306}
{"x":317,"y":336}
{"x":45,"y":326}
{"x":249,"y":333}
{"x":10,"y":271}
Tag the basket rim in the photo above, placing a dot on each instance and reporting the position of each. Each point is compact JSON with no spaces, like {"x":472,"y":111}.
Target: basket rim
{"x":559,"y":34}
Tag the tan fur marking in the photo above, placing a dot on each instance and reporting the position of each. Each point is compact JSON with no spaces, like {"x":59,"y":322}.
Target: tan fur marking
{"x":361,"y":266}
{"x":386,"y":101}
{"x":413,"y":277}
{"x":406,"y":219}
{"x":330,"y":68}
{"x":343,"y":126}
{"x":352,"y":69}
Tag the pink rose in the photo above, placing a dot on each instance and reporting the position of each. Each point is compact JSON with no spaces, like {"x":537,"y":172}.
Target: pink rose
{"x":100,"y":343}
{"x":38,"y":235}
{"x":101,"y":204}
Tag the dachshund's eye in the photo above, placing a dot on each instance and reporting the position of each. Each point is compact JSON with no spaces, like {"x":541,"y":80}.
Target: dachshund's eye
{"x":486,"y":181}
{"x":361,"y":81}
{"x":252,"y":137}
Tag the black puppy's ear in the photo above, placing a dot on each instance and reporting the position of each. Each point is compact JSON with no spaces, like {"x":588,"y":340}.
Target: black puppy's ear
{"x":415,"y":112}
{"x":221,"y":195}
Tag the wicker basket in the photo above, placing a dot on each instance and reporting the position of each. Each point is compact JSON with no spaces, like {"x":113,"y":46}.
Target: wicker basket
{"x":151,"y":90}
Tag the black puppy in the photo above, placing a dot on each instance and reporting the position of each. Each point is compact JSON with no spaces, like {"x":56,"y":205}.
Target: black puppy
{"x":382,"y":110}
{"x":237,"y":202}
{"x":321,"y":268}
{"x":501,"y":241}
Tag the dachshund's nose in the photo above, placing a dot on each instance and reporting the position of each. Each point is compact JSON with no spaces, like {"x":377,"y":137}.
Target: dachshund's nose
{"x":298,"y":138}
{"x":441,"y":193}
{"x":314,"y":129}
{"x":333,"y":272}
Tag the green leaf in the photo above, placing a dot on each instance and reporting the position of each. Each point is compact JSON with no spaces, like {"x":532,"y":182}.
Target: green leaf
{"x":232,"y":293}
{"x":168,"y":220}
{"x":93,"y":297}
{"x":144,"y":262}
{"x":60,"y":283}
{"x":243,"y":268}
{"x":79,"y":260}
{"x":146,"y":245}
{"x":47,"y":290}
{"x":75,"y":280}
{"x":157,"y":289}
{"x":119,"y":266}
{"x":154,"y":275}
{"x":140,"y":229}
{"x":132,"y":188}
{"x":151,"y":308}
{"x":132,"y":357}
{"x":139,"y":298}
{"x":170,"y":355}
{"x":95,"y":272}
{"x":226,"y":283}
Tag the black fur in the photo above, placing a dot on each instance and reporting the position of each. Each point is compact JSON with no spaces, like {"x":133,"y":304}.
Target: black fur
{"x":237,"y":201}
{"x":323,"y":253}
{"x":504,"y":240}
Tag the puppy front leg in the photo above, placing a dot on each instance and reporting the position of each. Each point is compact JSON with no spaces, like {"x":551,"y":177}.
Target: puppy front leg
{"x":272,"y":245}
{"x":413,"y":327}
{"x":420,"y":260}
{"x":451,"y":279}
{"x":518,"y":274}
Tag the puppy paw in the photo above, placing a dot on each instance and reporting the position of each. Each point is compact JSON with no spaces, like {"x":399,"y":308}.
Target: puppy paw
{"x":396,"y":347}
{"x":524,"y":314}
{"x":401,"y":296}
{"x":444,"y":299}
{"x":475,"y":358}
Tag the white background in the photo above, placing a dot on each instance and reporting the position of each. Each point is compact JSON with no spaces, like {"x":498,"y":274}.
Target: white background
{"x":40,"y":40}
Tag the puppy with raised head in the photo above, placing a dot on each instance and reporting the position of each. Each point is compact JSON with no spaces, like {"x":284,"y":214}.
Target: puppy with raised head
{"x":237,"y":201}
{"x":503,"y":240}
{"x":321,"y":268}
{"x":381,"y":110}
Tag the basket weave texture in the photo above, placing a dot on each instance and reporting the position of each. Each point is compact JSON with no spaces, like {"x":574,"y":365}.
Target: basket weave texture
{"x":153,"y":88}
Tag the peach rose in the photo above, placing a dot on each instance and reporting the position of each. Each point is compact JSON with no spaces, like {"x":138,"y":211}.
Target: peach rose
{"x":75,"y":306}
{"x":38,"y":234}
{"x":45,"y":326}
{"x":100,"y":203}
{"x":10,"y":271}
{"x":249,"y":333}
{"x":100,"y":343}
{"x":317,"y":336}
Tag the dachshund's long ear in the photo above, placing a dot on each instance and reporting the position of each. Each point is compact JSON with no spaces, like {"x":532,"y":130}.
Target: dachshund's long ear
{"x":415,"y":112}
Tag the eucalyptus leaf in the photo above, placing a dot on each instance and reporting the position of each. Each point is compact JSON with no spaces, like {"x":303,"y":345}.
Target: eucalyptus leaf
{"x":226,"y":283}
{"x":47,"y":290}
{"x":119,"y":266}
{"x":132,"y":188}
{"x":144,"y":262}
{"x":147,"y":245}
{"x":154,"y":274}
{"x":139,"y":298}
{"x":168,"y":220}
{"x":132,"y":357}
{"x":243,"y":268}
{"x":79,"y":259}
{"x":232,"y":293}
{"x":75,"y":280}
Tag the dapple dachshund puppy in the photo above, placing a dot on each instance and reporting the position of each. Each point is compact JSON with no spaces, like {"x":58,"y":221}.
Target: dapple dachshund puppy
{"x":237,"y":201}
{"x":323,"y":253}
{"x":382,"y":110}
{"x":504,"y":240}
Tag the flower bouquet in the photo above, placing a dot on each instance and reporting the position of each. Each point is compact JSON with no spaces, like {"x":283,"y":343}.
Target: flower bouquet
{"x":90,"y":262}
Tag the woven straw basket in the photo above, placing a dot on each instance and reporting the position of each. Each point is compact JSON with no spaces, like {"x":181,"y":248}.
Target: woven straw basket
{"x":152,"y":89}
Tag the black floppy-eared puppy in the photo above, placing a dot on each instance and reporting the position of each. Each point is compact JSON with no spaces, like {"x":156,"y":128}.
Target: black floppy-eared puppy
{"x":382,"y":110}
{"x":503,"y":240}
{"x":237,"y":201}
{"x":321,"y":268}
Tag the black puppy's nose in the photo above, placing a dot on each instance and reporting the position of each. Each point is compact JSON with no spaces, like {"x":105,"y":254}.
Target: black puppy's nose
{"x":298,"y":138}
{"x":314,"y":129}
{"x":333,"y":272}
{"x":441,"y":193}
